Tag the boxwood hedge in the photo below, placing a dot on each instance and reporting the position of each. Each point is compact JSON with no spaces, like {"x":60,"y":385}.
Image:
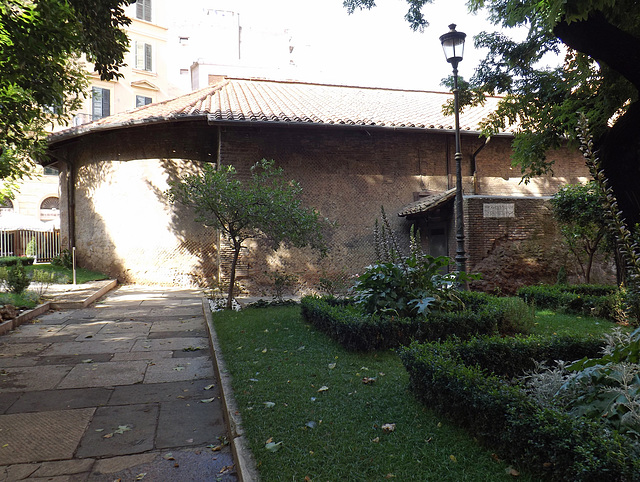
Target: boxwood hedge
{"x":356,"y":330}
{"x":459,"y":380}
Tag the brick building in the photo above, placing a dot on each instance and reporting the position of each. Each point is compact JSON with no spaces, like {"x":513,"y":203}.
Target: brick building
{"x":352,"y":149}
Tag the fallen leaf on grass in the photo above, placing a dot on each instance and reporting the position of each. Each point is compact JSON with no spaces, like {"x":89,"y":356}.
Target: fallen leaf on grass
{"x":511,"y":471}
{"x":273,"y":447}
{"x":389,"y":476}
{"x":453,"y":458}
{"x":388,"y":427}
{"x":368,"y":380}
{"x":269,"y":404}
{"x":323,"y":388}
{"x":376,"y":440}
{"x":332,"y":366}
{"x":311,"y":424}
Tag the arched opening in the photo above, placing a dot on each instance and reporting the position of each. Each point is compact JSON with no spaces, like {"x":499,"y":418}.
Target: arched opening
{"x":50,"y":209}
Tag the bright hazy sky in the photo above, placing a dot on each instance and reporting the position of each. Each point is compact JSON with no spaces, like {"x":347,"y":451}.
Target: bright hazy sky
{"x":368,"y":48}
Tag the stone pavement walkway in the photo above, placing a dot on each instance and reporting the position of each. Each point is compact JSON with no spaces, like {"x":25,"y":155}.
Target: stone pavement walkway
{"x":121,"y":390}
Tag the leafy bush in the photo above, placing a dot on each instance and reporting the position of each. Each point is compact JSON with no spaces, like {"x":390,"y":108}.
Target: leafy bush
{"x":64,"y":259}
{"x":450,"y":378}
{"x":604,"y":389}
{"x":17,"y":279}
{"x":13,"y":260}
{"x":282,"y":283}
{"x":44,"y":280}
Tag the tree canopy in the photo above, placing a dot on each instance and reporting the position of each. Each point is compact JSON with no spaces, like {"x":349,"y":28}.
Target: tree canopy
{"x":42,"y":74}
{"x":599,"y":78}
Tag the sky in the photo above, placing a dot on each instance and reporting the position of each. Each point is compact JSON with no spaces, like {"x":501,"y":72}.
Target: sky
{"x":368,"y":48}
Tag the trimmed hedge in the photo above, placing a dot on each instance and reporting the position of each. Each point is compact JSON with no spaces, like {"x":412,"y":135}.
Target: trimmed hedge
{"x":451,"y":378}
{"x":355,"y":330}
{"x":587,"y":300}
{"x":13,"y":260}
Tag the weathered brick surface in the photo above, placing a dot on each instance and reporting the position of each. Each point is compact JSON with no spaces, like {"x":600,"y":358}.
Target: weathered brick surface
{"x":126,"y":227}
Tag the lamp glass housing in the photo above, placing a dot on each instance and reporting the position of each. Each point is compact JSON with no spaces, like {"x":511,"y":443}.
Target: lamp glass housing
{"x":453,"y":44}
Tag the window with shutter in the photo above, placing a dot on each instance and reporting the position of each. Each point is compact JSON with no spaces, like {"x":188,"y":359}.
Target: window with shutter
{"x":100,"y":103}
{"x":144,"y":56}
{"x":143,"y":10}
{"x":143,"y":100}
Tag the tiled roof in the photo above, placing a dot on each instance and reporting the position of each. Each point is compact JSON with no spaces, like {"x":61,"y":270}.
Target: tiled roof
{"x":427,"y":203}
{"x":273,"y":102}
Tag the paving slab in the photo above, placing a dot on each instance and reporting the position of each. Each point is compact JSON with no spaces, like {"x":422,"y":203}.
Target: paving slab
{"x":199,"y":424}
{"x":88,"y":347}
{"x":120,"y":430}
{"x":9,"y":349}
{"x":164,"y":392}
{"x":183,"y":466}
{"x":7,"y":399}
{"x":35,"y":437}
{"x":32,"y":378}
{"x":52,"y":400}
{"x":64,"y":467}
{"x":182,"y":343}
{"x":107,"y":374}
{"x":177,"y":369}
{"x":11,"y":473}
{"x":150,"y":356}
{"x":72,"y":359}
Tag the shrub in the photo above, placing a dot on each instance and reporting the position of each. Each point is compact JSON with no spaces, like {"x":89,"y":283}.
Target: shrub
{"x":282,"y":283}
{"x":32,"y":248}
{"x":350,"y":326}
{"x":64,"y":259}
{"x":17,"y":279}
{"x":44,"y":280}
{"x":13,"y":260}
{"x":451,"y":378}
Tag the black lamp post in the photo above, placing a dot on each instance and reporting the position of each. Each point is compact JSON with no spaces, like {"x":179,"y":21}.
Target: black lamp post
{"x":453,"y":46}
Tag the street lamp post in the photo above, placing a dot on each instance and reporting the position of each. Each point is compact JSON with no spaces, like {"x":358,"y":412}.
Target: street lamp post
{"x":453,"y":46}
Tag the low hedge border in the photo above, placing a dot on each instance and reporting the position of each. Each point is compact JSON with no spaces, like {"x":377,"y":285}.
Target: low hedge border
{"x":13,"y":260}
{"x":587,"y":300}
{"x":355,"y":330}
{"x":450,"y":378}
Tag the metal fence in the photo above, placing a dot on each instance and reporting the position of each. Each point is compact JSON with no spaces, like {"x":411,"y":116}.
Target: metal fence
{"x":44,"y":245}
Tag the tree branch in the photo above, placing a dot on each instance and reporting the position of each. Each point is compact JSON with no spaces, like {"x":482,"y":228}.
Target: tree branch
{"x":605,"y":42}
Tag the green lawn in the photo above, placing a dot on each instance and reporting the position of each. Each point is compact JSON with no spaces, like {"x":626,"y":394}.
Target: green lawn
{"x":298,"y":389}
{"x":549,"y":323}
{"x":30,"y":299}
{"x":82,"y":275}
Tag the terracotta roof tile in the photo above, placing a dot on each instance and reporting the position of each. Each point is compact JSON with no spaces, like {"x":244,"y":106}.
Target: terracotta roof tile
{"x":292,"y":102}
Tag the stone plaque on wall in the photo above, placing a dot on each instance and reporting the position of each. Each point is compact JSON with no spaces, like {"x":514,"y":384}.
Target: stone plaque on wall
{"x":499,"y":210}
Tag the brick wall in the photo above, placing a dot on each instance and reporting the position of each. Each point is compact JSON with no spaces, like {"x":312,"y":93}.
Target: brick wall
{"x":125,"y":227}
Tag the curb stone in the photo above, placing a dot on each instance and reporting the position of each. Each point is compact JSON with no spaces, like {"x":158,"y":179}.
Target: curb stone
{"x":245,"y":463}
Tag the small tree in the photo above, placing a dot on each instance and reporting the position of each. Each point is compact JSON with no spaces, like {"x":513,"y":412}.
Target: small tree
{"x":578,"y":209}
{"x":265,"y":206}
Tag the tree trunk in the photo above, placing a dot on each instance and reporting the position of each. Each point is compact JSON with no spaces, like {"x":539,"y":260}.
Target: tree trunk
{"x":232,"y":278}
{"x":619,"y":148}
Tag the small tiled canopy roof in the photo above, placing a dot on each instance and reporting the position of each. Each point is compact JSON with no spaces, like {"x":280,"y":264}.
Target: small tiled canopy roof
{"x":428,"y":203}
{"x":277,"y":102}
